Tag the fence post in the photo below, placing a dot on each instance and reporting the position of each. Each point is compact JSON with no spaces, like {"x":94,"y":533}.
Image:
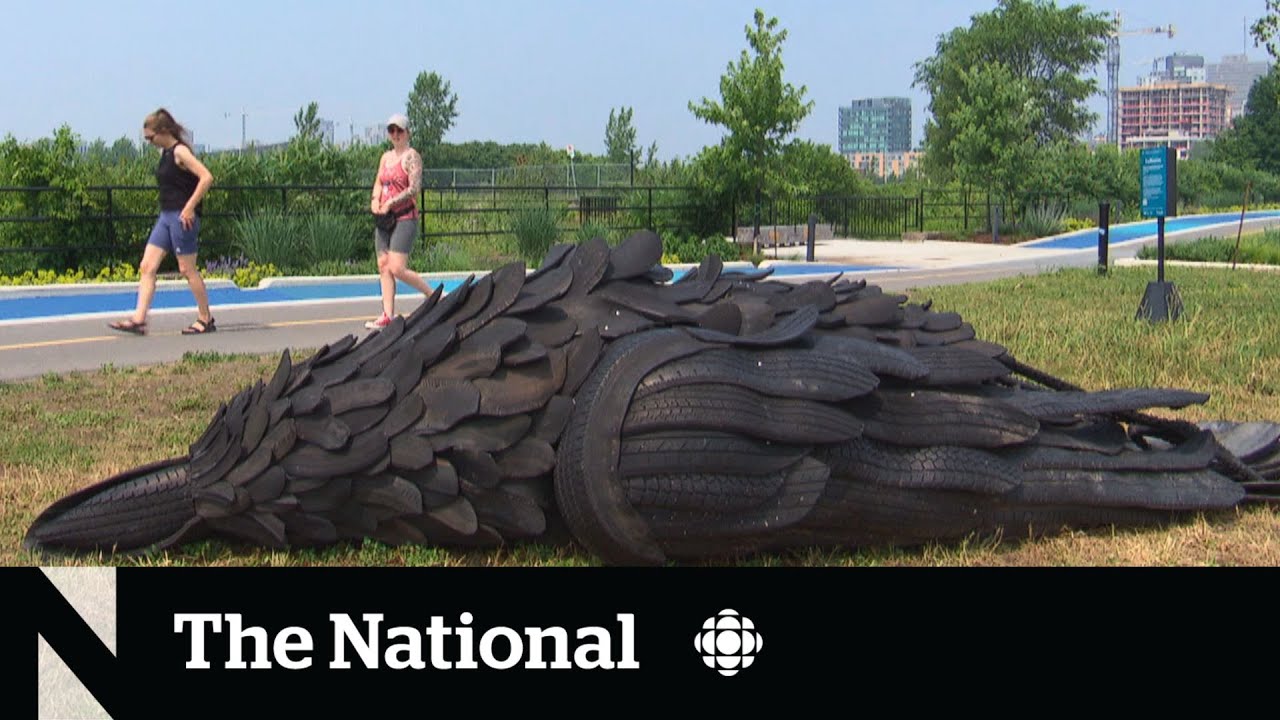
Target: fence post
{"x":966,"y":208}
{"x":111,"y":219}
{"x":546,"y":198}
{"x":650,"y":208}
{"x":284,"y":199}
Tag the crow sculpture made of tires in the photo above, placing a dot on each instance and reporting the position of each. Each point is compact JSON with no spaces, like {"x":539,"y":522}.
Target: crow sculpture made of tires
{"x":719,"y":414}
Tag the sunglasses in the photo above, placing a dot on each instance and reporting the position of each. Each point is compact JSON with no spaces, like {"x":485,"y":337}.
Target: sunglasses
{"x":393,"y":130}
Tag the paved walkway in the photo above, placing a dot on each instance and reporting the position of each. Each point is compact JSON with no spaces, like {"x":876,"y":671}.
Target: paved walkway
{"x":32,"y":346}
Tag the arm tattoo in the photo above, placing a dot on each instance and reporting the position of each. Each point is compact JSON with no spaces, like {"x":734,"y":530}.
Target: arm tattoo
{"x":412,"y":164}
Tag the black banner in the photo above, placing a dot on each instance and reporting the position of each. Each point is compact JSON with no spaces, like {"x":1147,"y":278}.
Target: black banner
{"x":366,"y":642}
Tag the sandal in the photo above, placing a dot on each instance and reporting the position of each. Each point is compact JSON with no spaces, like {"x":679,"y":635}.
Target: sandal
{"x":129,"y":326}
{"x":199,"y":327}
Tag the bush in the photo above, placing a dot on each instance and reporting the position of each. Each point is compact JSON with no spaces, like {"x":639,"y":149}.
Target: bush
{"x":592,"y":229}
{"x":1043,"y":220}
{"x":1073,"y":224}
{"x":692,"y":249}
{"x":332,"y":237}
{"x":242,"y":271}
{"x":111,"y":273}
{"x":536,"y":230}
{"x":441,"y":256}
{"x":271,"y":237}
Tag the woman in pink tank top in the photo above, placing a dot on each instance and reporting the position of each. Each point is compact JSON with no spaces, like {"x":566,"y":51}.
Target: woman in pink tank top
{"x":395,"y":191}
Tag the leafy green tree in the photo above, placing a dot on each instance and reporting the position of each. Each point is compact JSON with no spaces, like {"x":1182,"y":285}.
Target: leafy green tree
{"x":1259,"y":128}
{"x":306,"y":122}
{"x":757,"y":109}
{"x":432,"y":109}
{"x":992,"y":144}
{"x":813,"y":169}
{"x":1266,"y":28}
{"x":620,"y":137}
{"x":1026,"y":57}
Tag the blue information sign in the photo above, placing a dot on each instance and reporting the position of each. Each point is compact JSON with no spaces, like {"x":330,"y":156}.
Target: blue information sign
{"x":1158,"y":186}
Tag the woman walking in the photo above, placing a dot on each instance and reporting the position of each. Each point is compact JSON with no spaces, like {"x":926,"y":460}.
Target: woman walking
{"x":183,"y":181}
{"x":395,"y":198}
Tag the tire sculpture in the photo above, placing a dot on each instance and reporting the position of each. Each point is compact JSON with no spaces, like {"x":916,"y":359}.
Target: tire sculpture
{"x":719,"y":414}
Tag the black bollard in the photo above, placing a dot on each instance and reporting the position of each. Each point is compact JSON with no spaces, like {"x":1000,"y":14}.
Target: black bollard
{"x":1104,"y":235}
{"x":811,"y":237}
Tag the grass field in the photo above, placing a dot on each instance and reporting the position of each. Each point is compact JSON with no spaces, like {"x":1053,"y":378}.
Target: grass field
{"x":64,"y":432}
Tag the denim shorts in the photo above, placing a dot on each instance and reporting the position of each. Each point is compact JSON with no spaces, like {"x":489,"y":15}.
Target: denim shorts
{"x":169,"y":235}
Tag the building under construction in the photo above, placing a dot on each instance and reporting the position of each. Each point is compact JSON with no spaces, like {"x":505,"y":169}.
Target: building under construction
{"x":1172,"y":114}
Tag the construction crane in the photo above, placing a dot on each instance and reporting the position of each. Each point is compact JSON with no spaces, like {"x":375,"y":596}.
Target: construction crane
{"x":1113,"y":72}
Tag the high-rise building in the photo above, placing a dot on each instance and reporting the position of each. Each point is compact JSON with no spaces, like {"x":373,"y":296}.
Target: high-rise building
{"x":1172,"y":114}
{"x":1237,"y":73}
{"x":1176,"y":68}
{"x":876,"y":125}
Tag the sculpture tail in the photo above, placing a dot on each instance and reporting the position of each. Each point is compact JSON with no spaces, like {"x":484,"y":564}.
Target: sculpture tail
{"x":1257,"y":447}
{"x":143,"y":508}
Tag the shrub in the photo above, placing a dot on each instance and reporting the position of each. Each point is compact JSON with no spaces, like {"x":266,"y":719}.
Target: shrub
{"x":1073,"y":224}
{"x":242,"y":271}
{"x":536,"y":230}
{"x":692,"y":249}
{"x":592,"y":229}
{"x":271,"y":237}
{"x":1043,"y":220}
{"x":122,"y":272}
{"x":328,"y":236}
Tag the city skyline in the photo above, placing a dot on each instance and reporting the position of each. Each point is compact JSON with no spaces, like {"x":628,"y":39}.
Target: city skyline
{"x":523,"y":72}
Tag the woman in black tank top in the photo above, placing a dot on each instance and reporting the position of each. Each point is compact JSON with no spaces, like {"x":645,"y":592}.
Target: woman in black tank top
{"x":183,"y":181}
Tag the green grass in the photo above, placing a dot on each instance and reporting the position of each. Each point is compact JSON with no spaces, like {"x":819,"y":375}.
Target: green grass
{"x":65,"y":432}
{"x":1254,"y":249}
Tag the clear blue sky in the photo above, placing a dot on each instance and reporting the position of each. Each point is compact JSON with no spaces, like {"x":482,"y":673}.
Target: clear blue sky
{"x":524,"y":71}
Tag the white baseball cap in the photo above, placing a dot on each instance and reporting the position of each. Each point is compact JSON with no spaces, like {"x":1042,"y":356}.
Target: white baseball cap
{"x":399,"y":120}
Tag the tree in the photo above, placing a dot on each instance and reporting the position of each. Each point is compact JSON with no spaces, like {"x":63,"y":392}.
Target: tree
{"x":620,"y":137}
{"x":306,"y":123}
{"x":1254,"y":141}
{"x":991,"y":146}
{"x":758,"y":110}
{"x":1266,"y":28}
{"x":1039,"y":48}
{"x":432,"y":108}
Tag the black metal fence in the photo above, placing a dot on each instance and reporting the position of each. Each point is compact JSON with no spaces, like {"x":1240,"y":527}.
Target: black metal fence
{"x":52,"y":227}
{"x":842,"y":215}
{"x":57,"y":228}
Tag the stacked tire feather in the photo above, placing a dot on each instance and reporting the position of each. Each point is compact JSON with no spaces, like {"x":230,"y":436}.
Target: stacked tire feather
{"x":717,"y":414}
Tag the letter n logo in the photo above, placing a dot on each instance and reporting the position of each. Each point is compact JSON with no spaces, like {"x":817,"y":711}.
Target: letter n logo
{"x":60,"y":643}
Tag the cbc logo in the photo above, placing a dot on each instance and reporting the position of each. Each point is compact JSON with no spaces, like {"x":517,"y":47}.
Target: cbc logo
{"x":728,"y":642}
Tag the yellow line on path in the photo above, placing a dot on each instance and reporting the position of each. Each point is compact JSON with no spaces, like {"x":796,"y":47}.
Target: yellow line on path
{"x":52,"y":343}
{"x":101,"y":338}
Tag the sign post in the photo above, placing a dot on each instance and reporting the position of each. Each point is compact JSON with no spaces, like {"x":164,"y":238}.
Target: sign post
{"x":1159,"y":170}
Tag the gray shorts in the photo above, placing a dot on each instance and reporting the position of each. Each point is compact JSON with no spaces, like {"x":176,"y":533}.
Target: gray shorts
{"x":398,"y":240}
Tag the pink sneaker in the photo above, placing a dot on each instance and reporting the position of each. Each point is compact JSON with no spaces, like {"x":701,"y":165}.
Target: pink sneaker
{"x":382,"y":321}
